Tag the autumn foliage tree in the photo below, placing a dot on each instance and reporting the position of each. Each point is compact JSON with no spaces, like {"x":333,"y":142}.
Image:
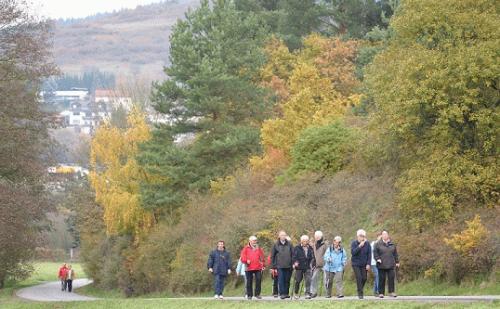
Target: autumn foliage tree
{"x":116,"y":176}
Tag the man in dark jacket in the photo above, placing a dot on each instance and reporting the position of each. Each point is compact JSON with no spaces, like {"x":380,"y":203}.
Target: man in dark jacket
{"x":303,"y":263}
{"x":386,"y":256}
{"x":361,"y":260}
{"x":219,"y":264}
{"x":281,"y":260}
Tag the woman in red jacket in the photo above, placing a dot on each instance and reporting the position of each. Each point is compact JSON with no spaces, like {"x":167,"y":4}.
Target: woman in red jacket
{"x":253,"y":256}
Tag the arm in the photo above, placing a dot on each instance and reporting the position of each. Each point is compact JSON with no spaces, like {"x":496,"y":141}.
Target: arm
{"x":369,"y":256}
{"x":243,"y":256}
{"x":376,"y":252}
{"x":210,"y":262}
{"x":355,"y":249}
{"x":274,"y":251}
{"x":344,"y":257}
{"x":396,"y":256}
{"x":228,"y":260}
{"x":326,"y":256}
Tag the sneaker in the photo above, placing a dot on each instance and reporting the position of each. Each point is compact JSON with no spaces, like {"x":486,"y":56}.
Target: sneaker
{"x":360,"y":296}
{"x":249,"y":297}
{"x":296,"y":297}
{"x":381,"y":296}
{"x":308,"y":296}
{"x":258,"y":297}
{"x":275,"y":295}
{"x":287,"y":296}
{"x":393,"y":295}
{"x":216,"y":296}
{"x":328,"y":296}
{"x":283,"y":297}
{"x":340,"y":296}
{"x":314,"y":295}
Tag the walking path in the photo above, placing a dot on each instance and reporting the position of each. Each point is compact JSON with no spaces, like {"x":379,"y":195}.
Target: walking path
{"x":51,"y":291}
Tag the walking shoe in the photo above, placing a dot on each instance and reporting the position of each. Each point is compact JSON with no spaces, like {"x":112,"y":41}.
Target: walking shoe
{"x":340,"y":296}
{"x":275,"y":295}
{"x":283,"y":297}
{"x":221,"y":297}
{"x":258,"y":297}
{"x":393,"y":295}
{"x":249,"y":297}
{"x":381,"y":296}
{"x":216,"y":296}
{"x":328,"y":296}
{"x":314,"y":295}
{"x":360,"y":296}
{"x":308,"y":296}
{"x":295,"y":297}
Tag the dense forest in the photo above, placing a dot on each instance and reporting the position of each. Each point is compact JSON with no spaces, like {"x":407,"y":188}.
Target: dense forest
{"x":306,"y":115}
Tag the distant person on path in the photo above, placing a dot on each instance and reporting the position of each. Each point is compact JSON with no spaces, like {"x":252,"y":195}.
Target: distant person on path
{"x":62,"y":276}
{"x":70,"y":276}
{"x":219,"y":264}
{"x":281,"y":260}
{"x":335,"y":260}
{"x":387,"y":259}
{"x":361,"y":259}
{"x":319,"y":247}
{"x":240,"y":271}
{"x":253,"y":256}
{"x":303,"y":263}
{"x":374,"y":266}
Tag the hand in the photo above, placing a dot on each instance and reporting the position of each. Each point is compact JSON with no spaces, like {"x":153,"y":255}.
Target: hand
{"x":379,"y":261}
{"x":361,"y":244}
{"x":367,"y":267}
{"x":248,"y":262}
{"x":397,"y":265}
{"x":229,"y":271}
{"x":211,"y":270}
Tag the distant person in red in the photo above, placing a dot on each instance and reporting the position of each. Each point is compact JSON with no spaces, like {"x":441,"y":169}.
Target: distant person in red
{"x":63,"y":270}
{"x":253,"y":256}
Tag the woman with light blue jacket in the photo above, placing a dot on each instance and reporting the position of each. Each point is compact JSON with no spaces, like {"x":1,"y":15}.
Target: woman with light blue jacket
{"x":335,"y":260}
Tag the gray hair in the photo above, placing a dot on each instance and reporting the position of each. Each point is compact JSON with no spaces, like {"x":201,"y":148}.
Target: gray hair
{"x":304,"y":237}
{"x":252,"y":238}
{"x":318,"y":234}
{"x":361,"y":232}
{"x":338,"y":238}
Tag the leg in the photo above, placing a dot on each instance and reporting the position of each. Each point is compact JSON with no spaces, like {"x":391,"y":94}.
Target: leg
{"x":258,"y":281}
{"x":382,"y":273}
{"x":249,"y":276}
{"x":288,"y":277}
{"x":221,"y":285}
{"x":364,"y":277}
{"x":245,"y":285}
{"x":307,"y":278}
{"x":282,"y":281}
{"x":375,"y":279}
{"x":338,"y":283}
{"x":315,"y":280}
{"x":391,"y":276}
{"x":275,"y":286}
{"x":70,"y":285}
{"x":298,"y":280}
{"x":359,"y":279}
{"x":329,"y":283}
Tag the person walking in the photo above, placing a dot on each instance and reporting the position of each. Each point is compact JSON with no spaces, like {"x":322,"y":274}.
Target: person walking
{"x":373,"y":267}
{"x":319,"y":247}
{"x":335,"y":259}
{"x":303,"y":263}
{"x":253,"y":256}
{"x":386,"y":256}
{"x":62,"y":276}
{"x":240,"y":271}
{"x":281,"y":261}
{"x":219,"y":264}
{"x":361,"y":260}
{"x":70,"y":276}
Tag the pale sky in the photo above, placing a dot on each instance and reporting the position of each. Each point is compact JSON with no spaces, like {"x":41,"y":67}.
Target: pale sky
{"x":82,"y":8}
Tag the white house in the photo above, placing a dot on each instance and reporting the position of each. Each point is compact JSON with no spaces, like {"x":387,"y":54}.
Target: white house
{"x":113,"y":99}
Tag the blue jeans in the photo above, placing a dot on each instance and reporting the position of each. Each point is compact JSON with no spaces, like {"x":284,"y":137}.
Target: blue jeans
{"x":284,"y":276}
{"x":219,"y":284}
{"x":375,"y":279}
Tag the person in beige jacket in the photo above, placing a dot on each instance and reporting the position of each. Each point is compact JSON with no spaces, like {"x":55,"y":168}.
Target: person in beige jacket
{"x":70,"y":276}
{"x":319,"y":247}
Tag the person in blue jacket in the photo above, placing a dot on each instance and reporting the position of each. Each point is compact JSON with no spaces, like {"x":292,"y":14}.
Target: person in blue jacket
{"x":219,"y":264}
{"x":361,"y":253}
{"x":335,"y":260}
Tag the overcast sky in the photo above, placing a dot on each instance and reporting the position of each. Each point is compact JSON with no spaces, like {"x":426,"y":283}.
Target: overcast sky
{"x":82,"y":8}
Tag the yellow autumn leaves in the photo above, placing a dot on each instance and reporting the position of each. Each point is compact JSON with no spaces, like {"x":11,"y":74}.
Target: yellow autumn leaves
{"x":116,"y":175}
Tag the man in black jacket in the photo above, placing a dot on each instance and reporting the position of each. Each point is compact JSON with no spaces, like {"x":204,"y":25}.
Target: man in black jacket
{"x":281,"y":260}
{"x":361,"y":259}
{"x":219,"y":264}
{"x":386,"y":256}
{"x":303,"y":263}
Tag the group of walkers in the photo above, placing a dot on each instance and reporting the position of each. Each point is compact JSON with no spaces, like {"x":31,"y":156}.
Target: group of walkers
{"x":307,"y":262}
{"x":66,"y":274}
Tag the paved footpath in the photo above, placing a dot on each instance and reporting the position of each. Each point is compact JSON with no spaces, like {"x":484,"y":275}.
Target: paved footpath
{"x":51,"y":291}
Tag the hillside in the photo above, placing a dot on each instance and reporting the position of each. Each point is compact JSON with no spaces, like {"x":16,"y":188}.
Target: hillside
{"x":126,"y":42}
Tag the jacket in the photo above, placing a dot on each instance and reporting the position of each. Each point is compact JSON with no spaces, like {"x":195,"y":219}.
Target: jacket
{"x":361,"y":256}
{"x":281,"y":255}
{"x":335,"y":261}
{"x":386,"y":252}
{"x":255,"y":256}
{"x":70,"y":274}
{"x":319,"y":251}
{"x":62,"y":273}
{"x":305,"y":261}
{"x":219,"y":261}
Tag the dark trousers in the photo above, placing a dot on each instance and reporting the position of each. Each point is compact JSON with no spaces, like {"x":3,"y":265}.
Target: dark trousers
{"x":305,"y":274}
{"x":69,"y":282}
{"x":258,"y":280}
{"x":275,"y":286}
{"x":382,"y":274}
{"x":219,"y":284}
{"x":63,"y":285}
{"x":284,"y":276}
{"x":361,"y":274}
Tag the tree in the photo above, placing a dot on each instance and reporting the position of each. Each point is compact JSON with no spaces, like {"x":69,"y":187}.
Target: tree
{"x":23,"y":136}
{"x":116,"y":176}
{"x":212,"y":96}
{"x":436,"y":93}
